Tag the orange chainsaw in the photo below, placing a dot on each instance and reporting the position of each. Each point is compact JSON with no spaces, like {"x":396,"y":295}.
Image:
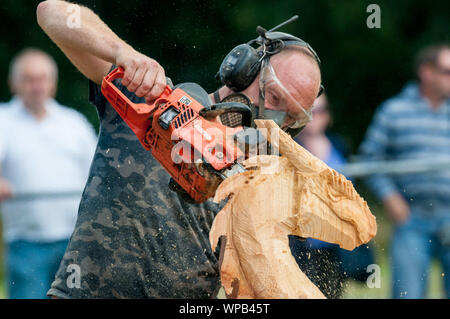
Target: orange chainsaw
{"x":184,"y":136}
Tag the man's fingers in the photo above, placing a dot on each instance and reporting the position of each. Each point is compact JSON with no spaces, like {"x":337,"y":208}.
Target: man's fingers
{"x":143,"y":76}
{"x":397,"y":208}
{"x":147,"y":83}
{"x":401,"y":218}
{"x":136,"y":82}
{"x":158,"y":86}
{"x":5,"y":191}
{"x":128,"y":75}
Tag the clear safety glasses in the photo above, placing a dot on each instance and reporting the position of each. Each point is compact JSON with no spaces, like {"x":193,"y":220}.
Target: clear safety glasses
{"x":277,"y":98}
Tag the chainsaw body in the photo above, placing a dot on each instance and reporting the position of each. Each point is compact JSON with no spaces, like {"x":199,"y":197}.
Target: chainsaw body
{"x":196,"y":152}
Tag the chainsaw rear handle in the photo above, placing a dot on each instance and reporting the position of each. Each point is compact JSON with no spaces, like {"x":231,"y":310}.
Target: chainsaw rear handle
{"x":136,"y":115}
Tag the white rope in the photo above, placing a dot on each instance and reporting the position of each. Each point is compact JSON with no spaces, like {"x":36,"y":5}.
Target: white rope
{"x":395,"y":167}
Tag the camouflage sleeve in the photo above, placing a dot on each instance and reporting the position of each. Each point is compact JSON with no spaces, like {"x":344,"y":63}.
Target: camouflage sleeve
{"x":96,"y":97}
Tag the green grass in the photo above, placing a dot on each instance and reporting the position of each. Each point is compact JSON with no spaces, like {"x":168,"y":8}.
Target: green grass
{"x":2,"y":264}
{"x":357,"y":290}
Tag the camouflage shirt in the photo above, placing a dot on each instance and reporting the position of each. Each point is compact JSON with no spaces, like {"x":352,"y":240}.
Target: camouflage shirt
{"x":135,"y":238}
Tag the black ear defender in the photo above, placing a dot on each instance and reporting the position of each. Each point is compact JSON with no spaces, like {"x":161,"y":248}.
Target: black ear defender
{"x":241,"y":66}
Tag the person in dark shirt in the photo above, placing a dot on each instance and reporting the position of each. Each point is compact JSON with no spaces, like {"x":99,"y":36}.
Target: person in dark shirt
{"x":134,"y":237}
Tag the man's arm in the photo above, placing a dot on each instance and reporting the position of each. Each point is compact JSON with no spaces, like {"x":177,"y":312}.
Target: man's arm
{"x":397,"y":207}
{"x":373,"y":147}
{"x":93,"y":48}
{"x":5,"y":189}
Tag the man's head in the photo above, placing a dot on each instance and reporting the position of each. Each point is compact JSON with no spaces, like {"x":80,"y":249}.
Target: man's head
{"x":33,"y":76}
{"x":298,"y":72}
{"x":433,"y":69}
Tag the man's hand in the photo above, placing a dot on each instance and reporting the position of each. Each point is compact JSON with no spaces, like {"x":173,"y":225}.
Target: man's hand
{"x":143,"y":75}
{"x":397,"y":208}
{"x":5,"y":190}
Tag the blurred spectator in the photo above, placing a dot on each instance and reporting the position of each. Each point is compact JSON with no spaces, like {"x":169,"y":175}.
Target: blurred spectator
{"x":416,"y":124}
{"x":44,"y":147}
{"x":326,"y":264}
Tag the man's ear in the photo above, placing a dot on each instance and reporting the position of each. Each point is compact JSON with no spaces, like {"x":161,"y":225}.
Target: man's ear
{"x":54,"y":88}
{"x":425,"y":72}
{"x":12,"y":86}
{"x":252,"y":90}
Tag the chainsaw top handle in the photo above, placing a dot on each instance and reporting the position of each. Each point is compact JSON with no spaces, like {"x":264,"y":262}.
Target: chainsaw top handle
{"x":136,"y":115}
{"x":118,"y":73}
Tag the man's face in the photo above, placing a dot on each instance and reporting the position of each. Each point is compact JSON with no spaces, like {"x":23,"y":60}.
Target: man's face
{"x":34,"y":81}
{"x":438,"y":76}
{"x":321,"y":117}
{"x":442,"y":73}
{"x":299,"y":75}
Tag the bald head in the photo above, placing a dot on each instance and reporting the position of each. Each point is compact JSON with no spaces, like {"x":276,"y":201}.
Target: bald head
{"x":33,"y":77}
{"x":297,"y":50}
{"x":299,"y":72}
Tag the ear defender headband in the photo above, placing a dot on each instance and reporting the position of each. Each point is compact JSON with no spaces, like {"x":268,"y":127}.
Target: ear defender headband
{"x":241,"y":66}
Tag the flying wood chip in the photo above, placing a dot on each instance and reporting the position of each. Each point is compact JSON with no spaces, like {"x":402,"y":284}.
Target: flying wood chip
{"x":295,"y":194}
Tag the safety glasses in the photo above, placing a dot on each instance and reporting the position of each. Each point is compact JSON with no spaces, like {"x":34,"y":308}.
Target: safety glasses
{"x":277,"y":98}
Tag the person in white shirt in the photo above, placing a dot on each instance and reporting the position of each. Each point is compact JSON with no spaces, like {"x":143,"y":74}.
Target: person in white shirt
{"x":45,"y":153}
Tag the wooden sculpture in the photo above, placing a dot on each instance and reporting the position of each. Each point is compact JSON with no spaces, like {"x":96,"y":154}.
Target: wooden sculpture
{"x":295,"y":194}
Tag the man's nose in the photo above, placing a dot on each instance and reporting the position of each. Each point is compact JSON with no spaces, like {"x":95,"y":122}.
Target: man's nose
{"x":38,"y":83}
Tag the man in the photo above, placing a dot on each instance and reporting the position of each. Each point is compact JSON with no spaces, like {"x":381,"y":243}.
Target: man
{"x":134,"y":237}
{"x":416,"y":124}
{"x":44,"y":148}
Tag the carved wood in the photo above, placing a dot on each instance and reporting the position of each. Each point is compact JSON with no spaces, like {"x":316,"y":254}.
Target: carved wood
{"x":295,"y":194}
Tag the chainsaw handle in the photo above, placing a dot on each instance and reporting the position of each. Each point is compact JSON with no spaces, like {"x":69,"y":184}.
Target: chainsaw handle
{"x":118,"y":73}
{"x":136,"y":115}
